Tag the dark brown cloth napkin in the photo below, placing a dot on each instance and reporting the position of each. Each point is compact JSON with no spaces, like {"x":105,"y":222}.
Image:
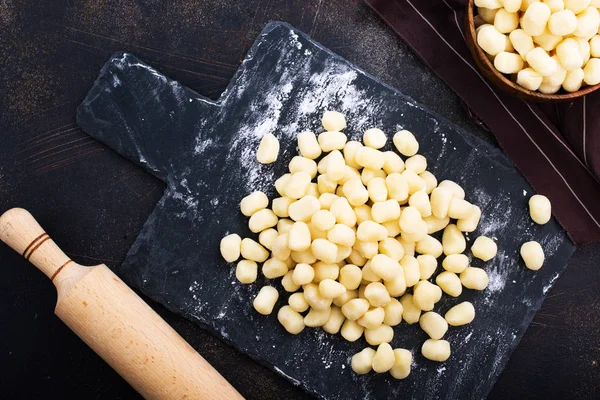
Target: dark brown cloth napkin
{"x":555,"y":146}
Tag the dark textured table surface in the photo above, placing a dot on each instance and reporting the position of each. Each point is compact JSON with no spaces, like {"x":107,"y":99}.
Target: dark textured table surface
{"x":93,"y":202}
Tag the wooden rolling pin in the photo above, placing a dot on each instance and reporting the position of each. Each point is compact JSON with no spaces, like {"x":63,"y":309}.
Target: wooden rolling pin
{"x":115,"y":322}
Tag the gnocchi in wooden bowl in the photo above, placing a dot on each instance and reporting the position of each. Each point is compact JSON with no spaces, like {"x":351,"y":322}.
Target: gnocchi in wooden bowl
{"x":538,"y":50}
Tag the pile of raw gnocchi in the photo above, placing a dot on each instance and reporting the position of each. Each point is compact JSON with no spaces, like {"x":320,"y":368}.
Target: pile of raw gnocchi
{"x":349,"y":245}
{"x":544,"y":45}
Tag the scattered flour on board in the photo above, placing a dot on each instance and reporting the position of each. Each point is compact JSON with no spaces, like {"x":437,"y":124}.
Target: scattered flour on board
{"x":223,"y":332}
{"x":333,"y":85}
{"x":236,"y":296}
{"x":496,"y":215}
{"x":116,"y":81}
{"x":550,"y":244}
{"x":468,"y":337}
{"x":328,"y":85}
{"x":293,"y":380}
{"x":248,"y":138}
{"x":255,"y":178}
{"x":189,"y":201}
{"x":295,"y":40}
{"x":274,"y":103}
{"x":202,"y":145}
{"x":194,"y":288}
{"x":480,"y":198}
{"x":496,"y":280}
{"x":549,"y":285}
{"x":197,"y":305}
{"x":149,"y":69}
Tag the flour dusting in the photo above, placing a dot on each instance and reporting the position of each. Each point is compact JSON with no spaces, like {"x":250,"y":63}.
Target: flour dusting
{"x":330,"y":84}
{"x":496,"y":281}
{"x":295,"y":40}
{"x":202,"y":145}
{"x":550,"y":244}
{"x":496,"y":213}
{"x":331,"y":88}
{"x":273,"y":103}
{"x":549,"y":285}
{"x":254,"y":176}
{"x":480,"y":198}
{"x":293,"y":380}
{"x":116,"y":81}
{"x":151,"y":70}
{"x":188,"y":200}
{"x":468,"y":337}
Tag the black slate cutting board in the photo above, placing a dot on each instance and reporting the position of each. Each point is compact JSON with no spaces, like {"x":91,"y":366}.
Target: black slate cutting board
{"x":205,"y":152}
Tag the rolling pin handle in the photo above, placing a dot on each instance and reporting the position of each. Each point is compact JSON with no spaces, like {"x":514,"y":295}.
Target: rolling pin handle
{"x":115,"y":322}
{"x":22,"y":233}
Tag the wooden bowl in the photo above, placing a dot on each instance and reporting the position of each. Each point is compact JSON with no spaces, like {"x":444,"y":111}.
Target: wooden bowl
{"x":500,"y":80}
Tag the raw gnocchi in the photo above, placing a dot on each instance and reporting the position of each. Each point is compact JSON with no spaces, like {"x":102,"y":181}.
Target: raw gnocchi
{"x":540,"y":209}
{"x":434,"y":325}
{"x":268,"y":150}
{"x":292,"y":320}
{"x":550,"y":45}
{"x":265,"y":300}
{"x":460,"y":314}
{"x":308,"y":145}
{"x":246,"y":271}
{"x":362,"y":362}
{"x":231,"y":247}
{"x":484,"y":248}
{"x":333,"y":121}
{"x":402,"y":363}
{"x":384,"y":358}
{"x":436,"y":350}
{"x":533,"y":255}
{"x":406,"y":143}
{"x":374,"y":138}
{"x":354,"y":250}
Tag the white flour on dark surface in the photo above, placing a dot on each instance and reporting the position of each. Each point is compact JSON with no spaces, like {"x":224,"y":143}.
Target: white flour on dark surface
{"x":202,"y":145}
{"x":549,"y":285}
{"x":497,"y":274}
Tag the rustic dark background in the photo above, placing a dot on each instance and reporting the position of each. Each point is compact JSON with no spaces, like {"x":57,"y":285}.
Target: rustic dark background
{"x":93,"y":202}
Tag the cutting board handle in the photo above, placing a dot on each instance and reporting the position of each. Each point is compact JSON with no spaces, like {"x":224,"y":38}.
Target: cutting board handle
{"x":115,"y":322}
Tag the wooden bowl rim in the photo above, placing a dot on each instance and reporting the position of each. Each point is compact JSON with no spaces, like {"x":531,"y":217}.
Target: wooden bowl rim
{"x":533,"y":95}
